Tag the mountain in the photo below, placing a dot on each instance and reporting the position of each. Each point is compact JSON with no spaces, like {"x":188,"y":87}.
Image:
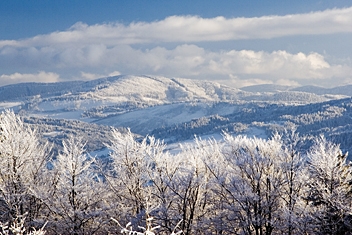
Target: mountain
{"x":133,"y":101}
{"x":311,"y":89}
{"x":331,"y":118}
{"x":23,"y":90}
{"x":176,"y":109}
{"x":266,"y":88}
{"x":340,"y":90}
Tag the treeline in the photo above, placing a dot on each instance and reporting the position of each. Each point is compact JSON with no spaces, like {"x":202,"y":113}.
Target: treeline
{"x":331,"y":118}
{"x":238,"y":185}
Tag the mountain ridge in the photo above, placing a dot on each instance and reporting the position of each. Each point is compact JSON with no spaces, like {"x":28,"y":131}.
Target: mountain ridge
{"x":175,"y":109}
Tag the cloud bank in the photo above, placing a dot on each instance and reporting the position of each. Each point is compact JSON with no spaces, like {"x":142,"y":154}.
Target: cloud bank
{"x":38,"y":77}
{"x":91,"y":51}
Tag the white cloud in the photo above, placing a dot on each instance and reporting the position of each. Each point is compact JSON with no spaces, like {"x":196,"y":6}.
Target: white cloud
{"x":38,"y":77}
{"x":91,"y":76}
{"x":112,"y":47}
{"x":114,"y":73}
{"x":238,"y":83}
{"x":277,"y":64}
{"x":185,"y":60}
{"x":195,"y":29}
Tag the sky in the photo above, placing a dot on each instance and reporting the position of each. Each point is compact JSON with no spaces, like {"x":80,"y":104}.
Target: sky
{"x":233,"y":42}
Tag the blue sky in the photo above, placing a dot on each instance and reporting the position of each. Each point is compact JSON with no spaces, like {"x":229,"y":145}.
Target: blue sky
{"x":234,"y":42}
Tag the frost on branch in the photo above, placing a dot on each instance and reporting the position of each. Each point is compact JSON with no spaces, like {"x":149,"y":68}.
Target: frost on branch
{"x":76,"y":196}
{"x":149,"y":229}
{"x":23,"y":162}
{"x":329,"y":192}
{"x":17,"y":228}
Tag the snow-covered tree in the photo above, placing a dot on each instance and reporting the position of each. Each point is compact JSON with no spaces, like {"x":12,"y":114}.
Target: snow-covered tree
{"x":74,"y":195}
{"x":251,"y":183}
{"x":128,"y":177}
{"x":294,"y":215}
{"x":329,"y":193}
{"x":191,"y":187}
{"x":23,"y":161}
{"x":164,"y":170}
{"x":17,"y":227}
{"x":177,"y":184}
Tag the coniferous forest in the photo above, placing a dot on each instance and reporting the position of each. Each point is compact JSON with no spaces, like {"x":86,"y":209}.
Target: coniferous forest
{"x":236,"y":185}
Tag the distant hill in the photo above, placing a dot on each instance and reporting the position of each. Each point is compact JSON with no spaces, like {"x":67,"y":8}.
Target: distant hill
{"x":271,"y":88}
{"x":265,"y":88}
{"x":176,"y":109}
{"x":341,"y":90}
{"x":23,"y":90}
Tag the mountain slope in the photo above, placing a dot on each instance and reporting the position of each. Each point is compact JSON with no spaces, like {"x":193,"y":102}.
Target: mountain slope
{"x":157,"y":90}
{"x":341,"y":90}
{"x":175,"y":109}
{"x":265,"y":88}
{"x":23,"y":90}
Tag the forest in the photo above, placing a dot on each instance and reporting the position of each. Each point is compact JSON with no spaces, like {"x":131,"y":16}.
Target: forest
{"x":236,"y":185}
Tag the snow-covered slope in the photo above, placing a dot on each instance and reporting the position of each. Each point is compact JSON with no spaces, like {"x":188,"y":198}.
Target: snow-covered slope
{"x":266,"y":88}
{"x":132,"y":100}
{"x":23,"y":90}
{"x":161,"y":90}
{"x":140,"y":102}
{"x":144,"y":121}
{"x":340,"y":90}
{"x":170,"y":108}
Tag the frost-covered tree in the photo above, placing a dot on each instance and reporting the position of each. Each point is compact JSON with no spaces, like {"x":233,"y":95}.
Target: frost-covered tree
{"x":329,"y":193}
{"x":251,"y":183}
{"x":176,"y":184}
{"x":128,"y":177}
{"x":164,"y":170}
{"x":23,"y":160}
{"x":17,"y":227}
{"x":74,"y":195}
{"x":191,"y":187}
{"x":294,"y":215}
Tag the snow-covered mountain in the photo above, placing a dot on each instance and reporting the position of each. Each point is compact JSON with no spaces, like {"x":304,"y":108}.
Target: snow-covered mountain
{"x":175,"y":109}
{"x":340,"y":90}
{"x":266,"y":88}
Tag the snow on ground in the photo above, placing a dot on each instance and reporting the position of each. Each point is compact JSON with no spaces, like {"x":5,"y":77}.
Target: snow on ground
{"x":154,"y":117}
{"x":100,"y":153}
{"x":256,"y":132}
{"x":145,"y":103}
{"x":52,"y":133}
{"x":9,"y":105}
{"x":61,"y":114}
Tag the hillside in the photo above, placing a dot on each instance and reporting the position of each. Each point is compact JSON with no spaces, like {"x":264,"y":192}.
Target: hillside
{"x":176,"y":109}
